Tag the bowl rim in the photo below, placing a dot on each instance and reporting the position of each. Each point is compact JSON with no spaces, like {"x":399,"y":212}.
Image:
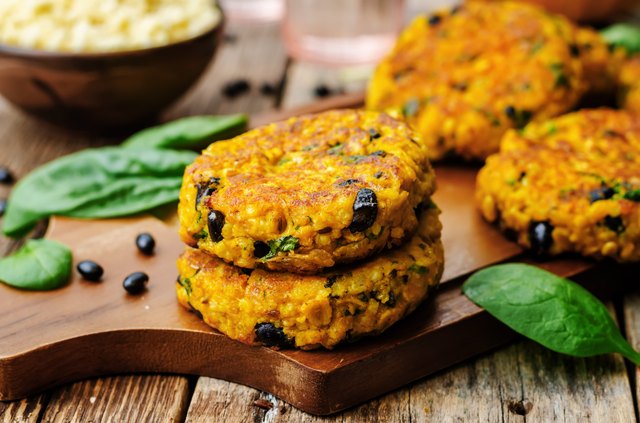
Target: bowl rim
{"x":30,"y":53}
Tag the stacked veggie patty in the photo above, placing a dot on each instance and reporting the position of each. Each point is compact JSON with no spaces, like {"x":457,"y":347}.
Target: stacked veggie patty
{"x":274,"y":216}
{"x":571,"y":184}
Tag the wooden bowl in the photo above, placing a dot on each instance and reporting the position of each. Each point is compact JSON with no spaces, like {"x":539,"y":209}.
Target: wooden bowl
{"x":113,"y":91}
{"x":588,"y":10}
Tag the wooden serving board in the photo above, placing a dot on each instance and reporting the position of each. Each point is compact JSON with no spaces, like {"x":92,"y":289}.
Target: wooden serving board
{"x":92,"y":329}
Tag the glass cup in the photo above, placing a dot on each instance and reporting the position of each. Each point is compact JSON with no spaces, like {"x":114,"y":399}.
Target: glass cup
{"x":341,"y":32}
{"x":253,"y":10}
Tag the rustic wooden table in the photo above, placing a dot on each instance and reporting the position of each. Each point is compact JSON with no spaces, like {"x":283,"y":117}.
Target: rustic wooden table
{"x":517,"y":383}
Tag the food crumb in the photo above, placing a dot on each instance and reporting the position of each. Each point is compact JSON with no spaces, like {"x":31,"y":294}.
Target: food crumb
{"x":92,"y":400}
{"x":264,"y":404}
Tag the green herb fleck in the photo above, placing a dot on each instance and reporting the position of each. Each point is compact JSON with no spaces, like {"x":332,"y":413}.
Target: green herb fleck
{"x":284,"y":244}
{"x":200,"y":235}
{"x":633,"y":195}
{"x":555,"y":312}
{"x":561,"y":79}
{"x":186,"y":284}
{"x":421,"y":270}
{"x":411,"y":108}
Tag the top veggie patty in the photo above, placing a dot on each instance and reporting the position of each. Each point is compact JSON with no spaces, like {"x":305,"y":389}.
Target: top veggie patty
{"x":307,"y":193}
{"x":571,"y":184}
{"x":463,"y":77}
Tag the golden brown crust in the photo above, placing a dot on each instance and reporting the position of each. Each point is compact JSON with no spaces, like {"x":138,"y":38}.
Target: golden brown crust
{"x":311,"y":311}
{"x":328,"y":189}
{"x":569,"y":185}
{"x":461,"y":78}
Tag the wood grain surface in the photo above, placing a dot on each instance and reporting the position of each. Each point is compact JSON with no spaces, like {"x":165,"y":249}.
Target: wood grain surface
{"x":591,"y":389}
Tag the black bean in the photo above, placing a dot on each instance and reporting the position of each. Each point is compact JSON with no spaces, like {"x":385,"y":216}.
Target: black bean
{"x":574,"y":50}
{"x":460,"y":86}
{"x":418,"y":210}
{"x":434,"y":20}
{"x":348,"y":182}
{"x":365,"y":210}
{"x":268,"y":88}
{"x":391,"y":302}
{"x":145,"y":243}
{"x":330,"y":281}
{"x":215,"y":222}
{"x":230,"y":38}
{"x":5,"y":176}
{"x":205,"y":189}
{"x":3,"y":206}
{"x":378,"y":175}
{"x":373,"y":134}
{"x":614,"y":223}
{"x":135,"y":283}
{"x":321,"y":90}
{"x":520,"y":118}
{"x":379,"y":153}
{"x":540,"y":236}
{"x":196,"y":311}
{"x":602,"y":193}
{"x":90,"y":270}
{"x":363,"y":297}
{"x":271,"y":336}
{"x":260,"y":249}
{"x":235,"y":88}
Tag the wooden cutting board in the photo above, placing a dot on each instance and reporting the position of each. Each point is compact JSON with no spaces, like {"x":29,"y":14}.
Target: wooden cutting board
{"x":90,"y":329}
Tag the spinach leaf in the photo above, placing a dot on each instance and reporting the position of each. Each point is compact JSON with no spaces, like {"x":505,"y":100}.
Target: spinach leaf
{"x":623,"y":35}
{"x":193,"y":133}
{"x":555,"y":312}
{"x":284,"y":244}
{"x":96,"y":183}
{"x":40,"y":265}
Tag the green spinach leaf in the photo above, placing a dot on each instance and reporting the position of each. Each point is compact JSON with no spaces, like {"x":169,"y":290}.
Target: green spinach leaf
{"x":555,"y":312}
{"x":41,"y":264}
{"x":96,"y":183}
{"x":192,"y":133}
{"x":284,"y":244}
{"x":623,"y":35}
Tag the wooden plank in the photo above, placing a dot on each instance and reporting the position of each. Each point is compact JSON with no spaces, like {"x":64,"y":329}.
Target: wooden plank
{"x":217,"y":400}
{"x":631,"y":314}
{"x":23,"y":411}
{"x":522,"y":380}
{"x":121,"y":399}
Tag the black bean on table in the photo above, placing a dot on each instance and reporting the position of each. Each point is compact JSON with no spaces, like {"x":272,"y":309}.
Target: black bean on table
{"x":321,"y":90}
{"x":3,"y":206}
{"x":146,"y":243}
{"x":267,"y":88}
{"x":135,"y":283}
{"x":236,"y":87}
{"x":5,"y":176}
{"x":90,"y":270}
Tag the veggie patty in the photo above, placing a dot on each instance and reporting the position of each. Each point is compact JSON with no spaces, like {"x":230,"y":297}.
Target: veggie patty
{"x":569,"y":185}
{"x":463,"y":77}
{"x":312,"y":311}
{"x":308,"y":193}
